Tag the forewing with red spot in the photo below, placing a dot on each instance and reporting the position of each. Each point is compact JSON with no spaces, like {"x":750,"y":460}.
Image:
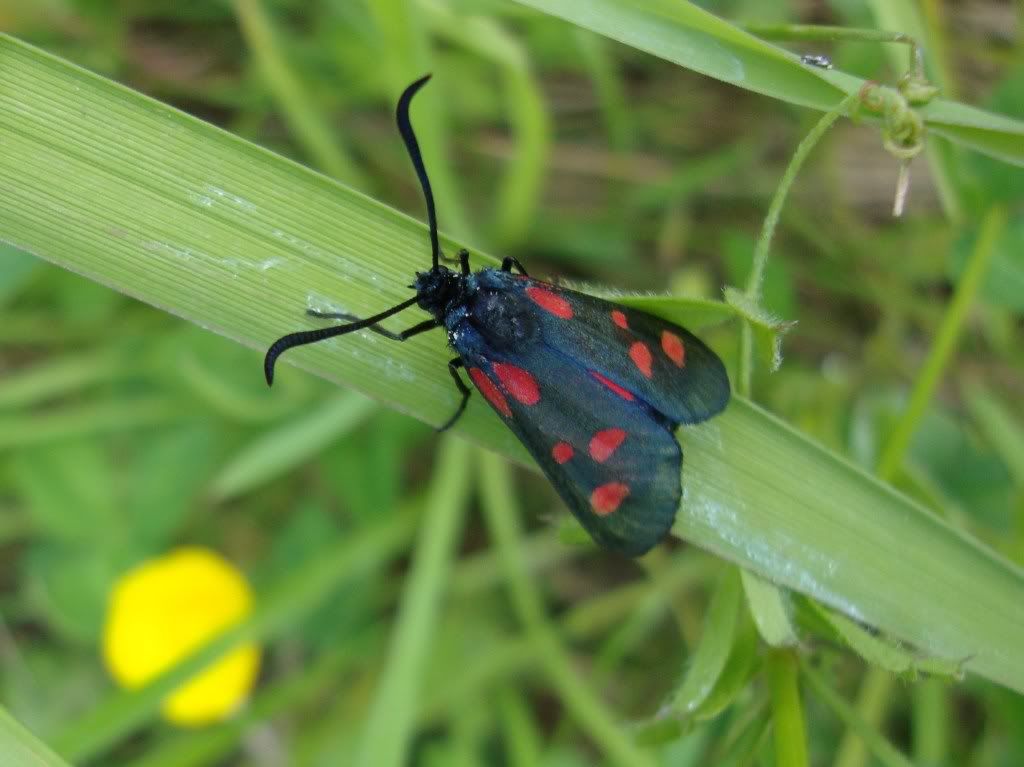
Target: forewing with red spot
{"x":656,"y":361}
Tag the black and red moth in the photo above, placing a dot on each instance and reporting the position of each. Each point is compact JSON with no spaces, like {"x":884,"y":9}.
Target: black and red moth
{"x":593,"y":390}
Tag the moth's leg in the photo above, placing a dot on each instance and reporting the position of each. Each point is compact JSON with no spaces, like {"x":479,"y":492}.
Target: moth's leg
{"x":422,"y":327}
{"x":461,"y":258}
{"x":508,"y":262}
{"x":465,"y":391}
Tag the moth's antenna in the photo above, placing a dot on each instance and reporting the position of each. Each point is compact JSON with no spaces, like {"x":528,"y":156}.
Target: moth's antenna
{"x":304,"y":337}
{"x":413,"y":147}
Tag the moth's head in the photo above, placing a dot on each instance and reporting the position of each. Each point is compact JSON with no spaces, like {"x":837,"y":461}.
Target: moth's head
{"x":436,"y":288}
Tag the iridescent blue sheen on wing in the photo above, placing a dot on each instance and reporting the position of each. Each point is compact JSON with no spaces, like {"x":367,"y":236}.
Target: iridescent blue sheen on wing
{"x":594,"y":391}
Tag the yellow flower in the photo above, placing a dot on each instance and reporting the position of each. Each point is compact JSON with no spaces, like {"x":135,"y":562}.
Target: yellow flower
{"x":163,"y":610}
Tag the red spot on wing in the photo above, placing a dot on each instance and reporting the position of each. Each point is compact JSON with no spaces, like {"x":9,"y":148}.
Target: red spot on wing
{"x":620,"y":319}
{"x":673,"y":347}
{"x":518,"y":383}
{"x":562,"y":452}
{"x":604,"y":443}
{"x":626,"y":395}
{"x":607,"y":498}
{"x":641,"y":357}
{"x":551,"y":302}
{"x":489,"y":390}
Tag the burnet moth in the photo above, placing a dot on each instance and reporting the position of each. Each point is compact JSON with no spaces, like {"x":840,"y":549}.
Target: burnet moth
{"x":594,"y":390}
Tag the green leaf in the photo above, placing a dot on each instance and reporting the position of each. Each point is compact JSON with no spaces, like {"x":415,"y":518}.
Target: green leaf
{"x":20,"y":747}
{"x":291,"y":444}
{"x":804,"y":518}
{"x":1004,"y":282}
{"x":180,"y":214}
{"x":69,"y":491}
{"x":1001,"y":428}
{"x":685,"y":34}
{"x":885,"y":654}
{"x":70,"y":586}
{"x":768,"y":608}
{"x":787,"y":710}
{"x":716,"y":645}
{"x":883,"y":750}
{"x":768,"y":329}
{"x":735,"y":676}
{"x":388,"y":732}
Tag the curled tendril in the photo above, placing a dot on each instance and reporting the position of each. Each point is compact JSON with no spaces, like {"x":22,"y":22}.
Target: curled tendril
{"x":903,"y":130}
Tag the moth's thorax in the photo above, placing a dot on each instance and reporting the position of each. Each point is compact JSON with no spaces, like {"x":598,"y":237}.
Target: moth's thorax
{"x":505,"y":318}
{"x":492,"y":311}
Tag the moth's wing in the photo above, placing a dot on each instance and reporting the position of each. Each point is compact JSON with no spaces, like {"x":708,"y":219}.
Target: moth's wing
{"x":614,"y":461}
{"x":657,"y":361}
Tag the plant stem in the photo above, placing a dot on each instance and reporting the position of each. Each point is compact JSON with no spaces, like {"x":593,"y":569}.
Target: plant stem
{"x":790,"y":736}
{"x":391,"y":722}
{"x":585,"y":707}
{"x":771,"y":221}
{"x":880,"y":747}
{"x":310,"y":127}
{"x":942,"y":349}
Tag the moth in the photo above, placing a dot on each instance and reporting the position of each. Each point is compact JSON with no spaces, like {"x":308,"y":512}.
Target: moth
{"x":594,"y":390}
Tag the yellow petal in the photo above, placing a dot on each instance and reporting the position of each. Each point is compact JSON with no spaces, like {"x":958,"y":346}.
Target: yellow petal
{"x":163,"y":610}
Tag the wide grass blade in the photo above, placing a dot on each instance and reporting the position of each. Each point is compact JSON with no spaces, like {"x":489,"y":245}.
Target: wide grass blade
{"x":156,"y":204}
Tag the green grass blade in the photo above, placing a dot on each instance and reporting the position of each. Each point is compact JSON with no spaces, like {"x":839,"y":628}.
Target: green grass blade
{"x":186,"y":217}
{"x":310,"y":127}
{"x":685,"y":34}
{"x":885,"y":752}
{"x":520,"y":190}
{"x":306,"y":687}
{"x":20,"y":748}
{"x":1000,"y":427}
{"x":290,"y":445}
{"x":576,"y":693}
{"x":768,"y":609}
{"x":771,"y":500}
{"x":387,"y":736}
{"x":787,"y":711}
{"x":706,"y":663}
{"x":409,"y":56}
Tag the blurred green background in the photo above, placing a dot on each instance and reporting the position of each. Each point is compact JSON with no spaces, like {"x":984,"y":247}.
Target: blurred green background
{"x":125,"y":432}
